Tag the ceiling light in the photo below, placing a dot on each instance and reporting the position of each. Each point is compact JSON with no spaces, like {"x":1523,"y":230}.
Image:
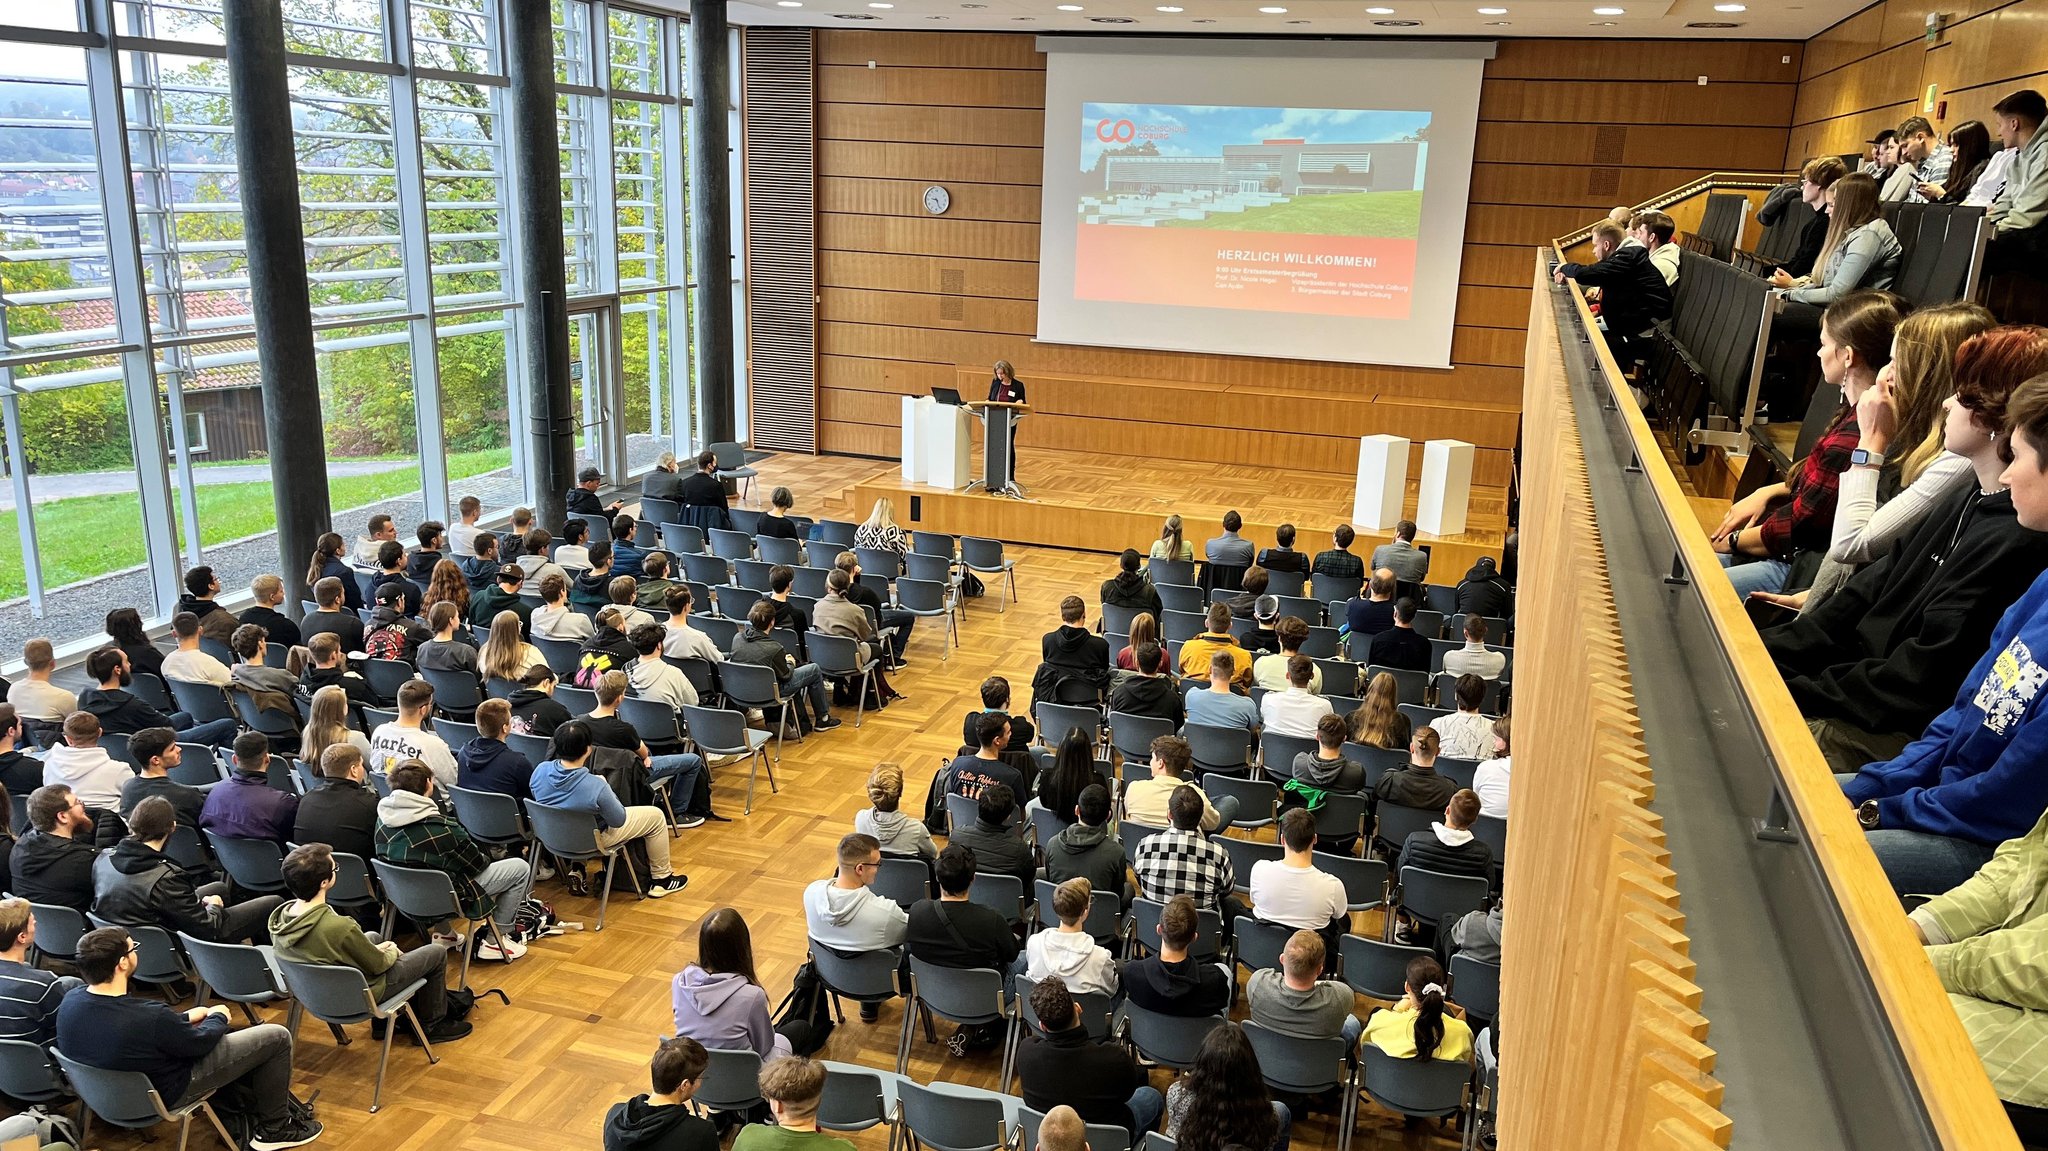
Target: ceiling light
{"x":1609,"y":12}
{"x":1379,"y":11}
{"x":880,"y":4}
{"x":1271,"y":11}
{"x":789,"y":3}
{"x":1731,"y":7}
{"x":1069,"y":7}
{"x":1398,"y":23}
{"x":1169,"y":8}
{"x":1493,"y":11}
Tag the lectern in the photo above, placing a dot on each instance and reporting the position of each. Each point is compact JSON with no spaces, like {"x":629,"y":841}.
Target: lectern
{"x":998,"y":421}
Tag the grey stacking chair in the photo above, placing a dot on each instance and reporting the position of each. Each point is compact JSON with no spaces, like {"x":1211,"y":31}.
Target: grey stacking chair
{"x":716,"y":731}
{"x":1181,"y":597}
{"x":1340,"y":817}
{"x":1433,"y":897}
{"x":702,"y":567}
{"x":1168,"y":1040}
{"x":1306,"y":1067}
{"x":1055,"y":720}
{"x":490,"y":817}
{"x":731,"y":545}
{"x":1117,"y":619}
{"x":1105,"y":911}
{"x":338,"y":996}
{"x":386,"y":676}
{"x":1219,"y":750}
{"x":58,"y":930}
{"x":1375,"y":968}
{"x":779,"y":550}
{"x":534,"y":747}
{"x":838,"y":533}
{"x":869,"y":977}
{"x":752,"y":574}
{"x":904,"y":879}
{"x":1475,"y":986}
{"x":571,"y":836}
{"x":1458,"y":771}
{"x":562,"y":655}
{"x":1493,"y":832}
{"x":1277,"y":752}
{"x":732,"y":464}
{"x":1180,"y":572}
{"x":1100,"y":1136}
{"x":127,"y":1099}
{"x":1132,"y":735}
{"x":254,"y":864}
{"x":857,"y":1099}
{"x":427,"y":897}
{"x":838,"y":657}
{"x":1258,"y":800}
{"x":240,"y":973}
{"x":1364,"y":880}
{"x":732,"y":1079}
{"x":453,"y":732}
{"x":1397,"y":823}
{"x":202,"y":701}
{"x":149,"y":688}
{"x":753,"y":686}
{"x":1004,"y":894}
{"x":579,"y":700}
{"x":456,"y":692}
{"x":681,"y":539}
{"x":980,"y":554}
{"x":28,"y":1074}
{"x":199,"y":767}
{"x":1424,"y":1088}
{"x":950,"y":1117}
{"x":1244,"y":853}
{"x":1258,"y":943}
{"x":929,"y":599}
{"x":962,"y":996}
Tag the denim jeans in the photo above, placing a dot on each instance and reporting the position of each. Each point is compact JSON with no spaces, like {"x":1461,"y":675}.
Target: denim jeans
{"x":684,"y":769}
{"x":807,"y":680}
{"x":213,"y":733}
{"x":1146,"y":1105}
{"x":1750,"y":575}
{"x":1226,"y":807}
{"x":1353,"y":1028}
{"x":1920,"y":862}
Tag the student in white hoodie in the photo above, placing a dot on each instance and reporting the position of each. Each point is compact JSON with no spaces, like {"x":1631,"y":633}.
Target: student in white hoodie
{"x":1068,"y":951}
{"x":82,"y":765}
{"x":897,"y":833}
{"x":843,"y":912}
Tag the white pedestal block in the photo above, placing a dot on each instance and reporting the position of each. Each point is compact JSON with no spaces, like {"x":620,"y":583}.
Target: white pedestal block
{"x":946,"y":443}
{"x":915,"y":456}
{"x":1382,"y":481}
{"x":1446,"y":487}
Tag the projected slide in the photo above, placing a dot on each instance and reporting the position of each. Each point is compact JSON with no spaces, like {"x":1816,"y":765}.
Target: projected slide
{"x":1304,"y":210}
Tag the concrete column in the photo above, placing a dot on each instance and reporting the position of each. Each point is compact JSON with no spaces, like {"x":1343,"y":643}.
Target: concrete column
{"x":537,"y":166}
{"x":710,"y":81}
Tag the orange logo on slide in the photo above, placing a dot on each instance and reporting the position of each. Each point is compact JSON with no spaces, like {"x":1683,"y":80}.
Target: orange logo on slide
{"x":1115,"y":131}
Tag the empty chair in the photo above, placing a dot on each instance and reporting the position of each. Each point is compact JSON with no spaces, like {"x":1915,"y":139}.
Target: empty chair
{"x":1364,"y":880}
{"x":1168,"y":1040}
{"x":206,"y":703}
{"x":1397,"y":823}
{"x":534,"y":747}
{"x":58,"y":929}
{"x":28,"y":1074}
{"x":938,"y":569}
{"x":1304,"y":1067}
{"x":879,"y":562}
{"x":949,"y":1117}
{"x":838,"y":533}
{"x":1375,"y":968}
{"x":491,"y":817}
{"x":779,"y":550}
{"x":1321,"y":643}
{"x":386,"y":676}
{"x":198,"y":767}
{"x":732,"y":464}
{"x":962,"y":996}
{"x":1244,"y":853}
{"x":1340,"y":817}
{"x":682,"y":539}
{"x":856,"y":1098}
{"x":1277,"y":752}
{"x":1132,"y":735}
{"x":1328,"y":588}
{"x":731,"y":1081}
{"x":1475,"y":986}
{"x":1258,"y":800}
{"x":254,"y":864}
{"x":128,"y":1099}
{"x":1225,"y":750}
{"x":237,"y":972}
{"x":579,"y":700}
{"x":456,"y":692}
{"x":980,"y":554}
{"x":1493,"y":832}
{"x":1258,"y":943}
{"x":562,"y":655}
{"x":149,"y":688}
{"x":572,"y":838}
{"x":339,"y":996}
{"x":1181,"y":597}
{"x":1181,"y":626}
{"x":453,"y":732}
{"x":810,"y":581}
{"x":1441,"y":599}
{"x":703,"y":568}
{"x":1307,"y":609}
{"x":716,"y":732}
{"x":1001,"y":893}
{"x":734,"y":602}
{"x":721,"y":630}
{"x":1429,"y":624}
{"x":731,"y":545}
{"x":1055,"y":720}
{"x":1458,"y":771}
{"x":752,"y":574}
{"x":1164,"y":570}
{"x":928,"y":599}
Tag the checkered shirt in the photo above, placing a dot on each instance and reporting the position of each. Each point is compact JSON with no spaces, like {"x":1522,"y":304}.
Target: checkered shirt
{"x":1175,"y":862}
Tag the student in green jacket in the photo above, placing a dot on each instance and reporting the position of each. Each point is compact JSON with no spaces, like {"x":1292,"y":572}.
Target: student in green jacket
{"x":307,"y":930}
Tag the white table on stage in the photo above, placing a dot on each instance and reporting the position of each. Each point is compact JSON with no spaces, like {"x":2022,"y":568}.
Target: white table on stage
{"x":1382,"y":482}
{"x":1446,"y":493}
{"x":916,"y":439}
{"x":946,"y":442}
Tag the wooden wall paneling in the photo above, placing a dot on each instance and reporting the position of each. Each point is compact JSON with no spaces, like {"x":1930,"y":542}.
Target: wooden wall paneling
{"x":1624,"y":102}
{"x":1018,"y":318}
{"x":1845,"y":43}
{"x":1012,"y":127}
{"x":1754,"y":61}
{"x":943,"y":87}
{"x":893,"y":49}
{"x":1594,"y":187}
{"x":1727,"y":149}
{"x":928,"y":236}
{"x":1889,"y":77}
{"x":902,"y":272}
{"x":887,"y":160}
{"x":1011,"y":203}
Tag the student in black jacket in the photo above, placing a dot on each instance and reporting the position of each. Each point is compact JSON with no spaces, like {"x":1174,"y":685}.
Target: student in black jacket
{"x":1167,"y":981}
{"x":1814,"y":180}
{"x":334,"y":618}
{"x":995,"y":845}
{"x":342,"y":811}
{"x":1100,"y":1081}
{"x":702,"y":488}
{"x":1401,"y":646}
{"x":52,"y":862}
{"x":1633,"y":294}
{"x":278,"y":627}
{"x":1149,"y":690}
{"x":1071,"y":652}
{"x":953,"y":931}
{"x":583,"y":499}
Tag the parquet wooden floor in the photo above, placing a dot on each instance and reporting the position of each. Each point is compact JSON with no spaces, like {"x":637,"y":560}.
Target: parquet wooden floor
{"x":587,"y":1007}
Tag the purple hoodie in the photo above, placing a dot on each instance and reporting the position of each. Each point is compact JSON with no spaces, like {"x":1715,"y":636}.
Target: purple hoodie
{"x":725,"y":1013}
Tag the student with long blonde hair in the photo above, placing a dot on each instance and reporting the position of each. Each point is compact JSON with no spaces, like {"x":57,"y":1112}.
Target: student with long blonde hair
{"x":880,"y":531}
{"x":328,"y":725}
{"x":506,"y":655}
{"x":1172,"y":543}
{"x":1378,"y":721}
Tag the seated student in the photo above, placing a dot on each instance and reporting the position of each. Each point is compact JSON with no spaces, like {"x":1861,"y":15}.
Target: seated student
{"x":1378,"y":721}
{"x":244,"y":805}
{"x":1292,"y":891}
{"x":1476,"y":934}
{"x":1218,"y":706}
{"x":155,"y":751}
{"x":1449,"y":847}
{"x":413,"y":830}
{"x":532,"y":557}
{"x":1297,"y":710}
{"x":1282,"y":557}
{"x":505,"y":654}
{"x":1633,"y":293}
{"x":1149,"y":800}
{"x":1064,"y":1066}
{"x":608,"y":730}
{"x":624,"y":590}
{"x":82,"y":765}
{"x":1815,"y":177}
{"x":1071,"y":653}
{"x":800,"y":684}
{"x":1338,"y":561}
{"x":994,"y":835}
{"x":1167,"y":981}
{"x":1401,"y":646}
{"x":201,"y":590}
{"x":187,"y":1055}
{"x":1253,"y":585}
{"x":433,"y":537}
{"x":342,"y":811}
{"x":574,"y":552}
{"x":1860,"y":253}
{"x":2021,"y":205}
{"x":1416,"y":1027}
{"x":1475,"y":658}
{"x":1068,"y":952}
{"x":679,"y":639}
{"x":844,"y":913}
{"x":19,"y":773}
{"x":406,"y":738}
{"x":512,"y":541}
{"x":1270,"y":671}
{"x":334,"y":618}
{"x":29,"y":996}
{"x":661,"y":1120}
{"x":1483,"y":592}
{"x":718,"y":1001}
{"x":191,"y":663}
{"x":1490,"y":782}
{"x":590,"y":587}
{"x":969,"y":775}
{"x":534,"y":708}
{"x":954,"y":931}
{"x":565,"y":782}
{"x":554,"y":618}
{"x":462,"y":534}
{"x":119,"y":711}
{"x":1293,"y":1001}
{"x":1222,"y":1100}
{"x":1130,"y":587}
{"x":1147,"y":690}
{"x":481,"y":566}
{"x":1417,"y":783}
{"x":1375,"y":613}
{"x":501,"y":594}
{"x":792,"y":1088}
{"x":308,"y":930}
{"x":897,"y":833}
{"x":486,"y":763}
{"x":1183,"y":861}
{"x":137,"y":884}
{"x":52,"y":861}
{"x":1325,"y":768}
{"x":777,"y":522}
{"x":268,"y":592}
{"x":1410,"y":564}
{"x":627,"y":557}
{"x":1466,"y":734}
{"x":1215,"y":637}
{"x":1088,"y":847}
{"x":652,"y":676}
{"x":1653,"y":230}
{"x":995,"y":700}
{"x":1230,"y":549}
{"x":391,"y":573}
{"x":329,"y":669}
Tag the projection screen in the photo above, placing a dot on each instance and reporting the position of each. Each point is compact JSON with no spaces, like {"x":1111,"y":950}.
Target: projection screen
{"x":1261,"y":198}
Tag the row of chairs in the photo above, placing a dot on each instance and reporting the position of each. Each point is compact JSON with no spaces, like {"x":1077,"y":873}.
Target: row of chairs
{"x":1222,"y":751}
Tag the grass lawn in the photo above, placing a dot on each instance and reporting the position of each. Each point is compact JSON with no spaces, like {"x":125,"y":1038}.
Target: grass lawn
{"x":1391,"y":215}
{"x":92,"y":535}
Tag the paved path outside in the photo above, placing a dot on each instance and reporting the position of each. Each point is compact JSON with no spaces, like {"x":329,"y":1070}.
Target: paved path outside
{"x":63,"y":487}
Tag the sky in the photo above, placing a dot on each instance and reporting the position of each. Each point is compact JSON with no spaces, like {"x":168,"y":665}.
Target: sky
{"x":1202,"y":130}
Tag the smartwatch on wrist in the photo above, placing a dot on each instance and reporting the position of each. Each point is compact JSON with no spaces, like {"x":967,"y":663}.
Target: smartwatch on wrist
{"x":1866,"y":814}
{"x":1866,"y":459}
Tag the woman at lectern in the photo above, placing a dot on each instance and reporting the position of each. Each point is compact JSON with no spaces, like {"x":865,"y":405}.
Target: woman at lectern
{"x":1006,"y":388}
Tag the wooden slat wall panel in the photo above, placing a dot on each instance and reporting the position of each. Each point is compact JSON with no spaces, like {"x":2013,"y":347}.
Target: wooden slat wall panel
{"x":907,"y":298}
{"x":1869,"y":72}
{"x":777,"y":74}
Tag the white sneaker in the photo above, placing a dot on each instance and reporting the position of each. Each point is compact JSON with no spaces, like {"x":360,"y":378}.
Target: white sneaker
{"x":544,"y":873}
{"x":449,"y":939}
{"x":490,"y":950}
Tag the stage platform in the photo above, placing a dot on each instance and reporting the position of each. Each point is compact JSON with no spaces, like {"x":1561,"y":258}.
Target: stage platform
{"x":1091,"y":501}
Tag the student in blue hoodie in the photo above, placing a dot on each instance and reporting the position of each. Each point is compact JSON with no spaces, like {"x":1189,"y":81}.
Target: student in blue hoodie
{"x":562,"y":782}
{"x":485,"y":763}
{"x":1936,"y":811}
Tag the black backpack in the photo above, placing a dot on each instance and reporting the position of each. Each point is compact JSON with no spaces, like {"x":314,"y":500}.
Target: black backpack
{"x":805,"y":1015}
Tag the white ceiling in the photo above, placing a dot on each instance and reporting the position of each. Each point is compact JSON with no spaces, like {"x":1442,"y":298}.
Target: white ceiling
{"x":1763,"y":19}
